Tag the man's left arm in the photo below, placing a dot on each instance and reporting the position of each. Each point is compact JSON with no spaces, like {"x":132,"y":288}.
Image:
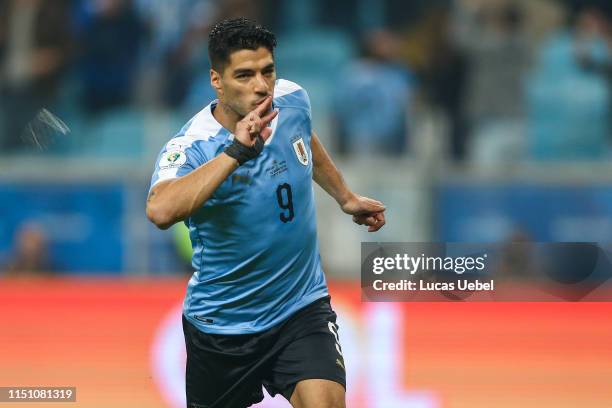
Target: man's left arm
{"x":365,"y":211}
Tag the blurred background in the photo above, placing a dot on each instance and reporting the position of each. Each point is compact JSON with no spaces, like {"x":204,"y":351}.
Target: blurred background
{"x":473,"y":120}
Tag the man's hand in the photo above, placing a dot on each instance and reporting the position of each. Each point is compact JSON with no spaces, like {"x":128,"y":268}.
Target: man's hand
{"x":255,"y":124}
{"x":251,"y":133}
{"x":365,"y":211}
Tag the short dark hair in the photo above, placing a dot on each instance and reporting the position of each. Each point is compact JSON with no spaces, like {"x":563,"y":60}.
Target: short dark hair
{"x":236,"y":34}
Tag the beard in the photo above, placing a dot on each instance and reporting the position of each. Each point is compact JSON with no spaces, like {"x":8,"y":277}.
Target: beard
{"x":233,"y":108}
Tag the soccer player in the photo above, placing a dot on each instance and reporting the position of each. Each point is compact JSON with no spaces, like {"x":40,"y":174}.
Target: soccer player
{"x":239,"y":173}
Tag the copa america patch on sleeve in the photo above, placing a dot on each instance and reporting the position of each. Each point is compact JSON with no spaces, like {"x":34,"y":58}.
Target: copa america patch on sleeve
{"x":172,"y":159}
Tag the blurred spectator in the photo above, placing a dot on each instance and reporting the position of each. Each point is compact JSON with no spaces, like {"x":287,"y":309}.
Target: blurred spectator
{"x":30,"y":254}
{"x":569,"y":94}
{"x":187,"y":58}
{"x":374,"y":95}
{"x":34,"y":52}
{"x":493,"y":37}
{"x":429,"y":48}
{"x":599,"y":63}
{"x":595,"y":24}
{"x":177,"y":50}
{"x":110,"y":34}
{"x":169,"y":21}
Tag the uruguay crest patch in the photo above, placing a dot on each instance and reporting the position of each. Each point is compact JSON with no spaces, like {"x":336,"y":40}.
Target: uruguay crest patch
{"x":299,"y":147}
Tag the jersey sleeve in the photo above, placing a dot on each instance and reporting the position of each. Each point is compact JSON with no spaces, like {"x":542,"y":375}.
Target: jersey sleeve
{"x":289,"y":94}
{"x":179,"y":157}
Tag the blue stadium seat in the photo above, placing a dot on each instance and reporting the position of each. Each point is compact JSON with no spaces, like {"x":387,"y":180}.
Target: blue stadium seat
{"x":313,"y":58}
{"x":118,"y":133}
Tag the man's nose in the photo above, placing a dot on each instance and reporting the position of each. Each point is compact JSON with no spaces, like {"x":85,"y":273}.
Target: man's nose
{"x":261,"y":85}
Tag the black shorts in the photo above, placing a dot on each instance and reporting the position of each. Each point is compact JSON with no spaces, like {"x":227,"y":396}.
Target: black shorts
{"x":228,"y":371}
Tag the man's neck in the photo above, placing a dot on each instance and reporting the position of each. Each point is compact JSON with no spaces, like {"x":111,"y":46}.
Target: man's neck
{"x":226,"y":116}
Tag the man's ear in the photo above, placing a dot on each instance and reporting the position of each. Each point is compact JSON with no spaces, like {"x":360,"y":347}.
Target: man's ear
{"x":215,"y":81}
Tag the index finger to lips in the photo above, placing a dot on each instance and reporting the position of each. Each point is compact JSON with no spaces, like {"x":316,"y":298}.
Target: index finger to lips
{"x":264,"y":106}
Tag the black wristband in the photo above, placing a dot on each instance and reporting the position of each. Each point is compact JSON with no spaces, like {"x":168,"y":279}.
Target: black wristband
{"x":244,"y":153}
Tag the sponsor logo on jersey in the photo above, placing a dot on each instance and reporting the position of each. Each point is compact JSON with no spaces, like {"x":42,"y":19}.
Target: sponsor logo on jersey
{"x":172,"y":159}
{"x":299,"y":147}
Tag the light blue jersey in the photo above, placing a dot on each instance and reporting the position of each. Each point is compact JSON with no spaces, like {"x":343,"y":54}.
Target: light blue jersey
{"x":255,"y":249}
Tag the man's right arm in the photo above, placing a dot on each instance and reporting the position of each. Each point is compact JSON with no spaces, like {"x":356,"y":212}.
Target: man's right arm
{"x":174,"y":200}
